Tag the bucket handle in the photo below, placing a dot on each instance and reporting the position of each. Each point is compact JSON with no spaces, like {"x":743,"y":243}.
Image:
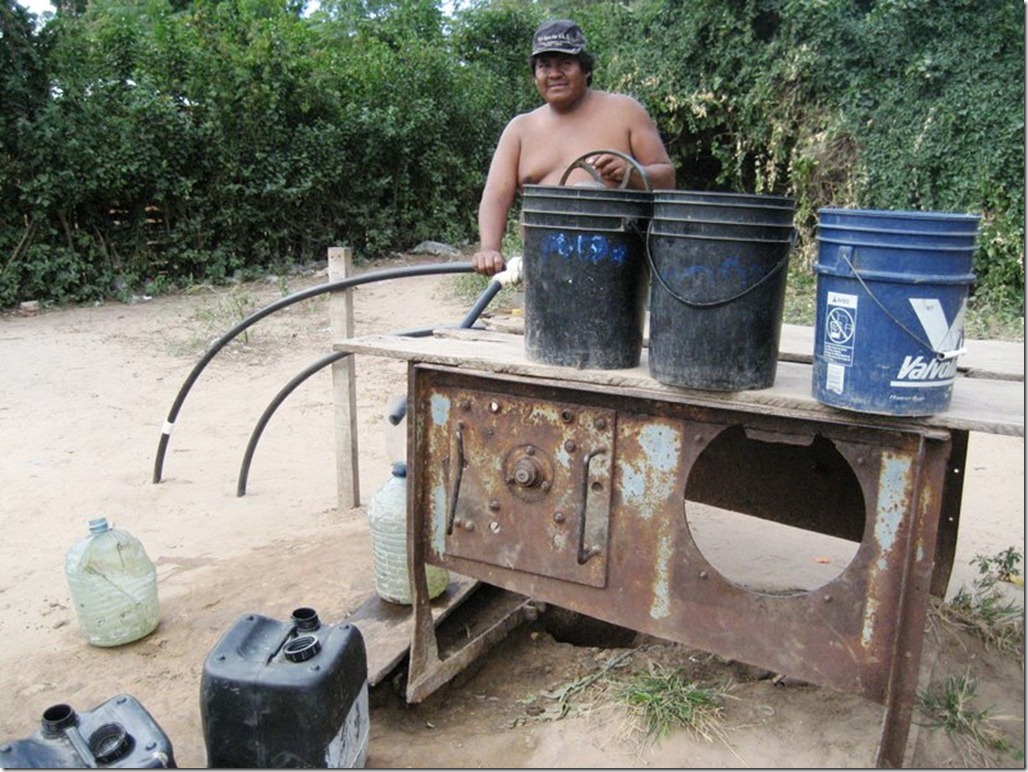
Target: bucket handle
{"x":713,"y":303}
{"x":942,"y":356}
{"x":633,"y":165}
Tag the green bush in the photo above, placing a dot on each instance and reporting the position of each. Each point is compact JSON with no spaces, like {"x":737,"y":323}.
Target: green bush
{"x":152,"y":143}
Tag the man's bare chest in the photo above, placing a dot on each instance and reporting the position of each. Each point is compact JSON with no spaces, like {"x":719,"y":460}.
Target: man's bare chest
{"x":547,"y":153}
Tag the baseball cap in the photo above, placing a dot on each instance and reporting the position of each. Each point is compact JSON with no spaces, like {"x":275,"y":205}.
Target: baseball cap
{"x":561,"y":36}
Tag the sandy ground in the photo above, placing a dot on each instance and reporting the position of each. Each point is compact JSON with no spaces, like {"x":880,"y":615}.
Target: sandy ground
{"x":84,"y":394}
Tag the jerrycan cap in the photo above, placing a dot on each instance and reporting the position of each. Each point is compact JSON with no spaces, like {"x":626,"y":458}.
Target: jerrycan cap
{"x":302,"y":648}
{"x":399,"y":469}
{"x":306,"y":619}
{"x":110,"y":742}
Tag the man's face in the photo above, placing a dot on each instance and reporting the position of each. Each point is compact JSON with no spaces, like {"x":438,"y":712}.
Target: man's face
{"x":559,"y":78}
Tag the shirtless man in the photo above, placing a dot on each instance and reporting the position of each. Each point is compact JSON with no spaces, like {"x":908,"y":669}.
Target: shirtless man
{"x":537,"y":147}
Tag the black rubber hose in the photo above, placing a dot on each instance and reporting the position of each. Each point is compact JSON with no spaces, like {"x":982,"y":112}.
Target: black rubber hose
{"x":353,"y":281}
{"x":244,"y":470}
{"x":258,"y":430}
{"x":480,"y":305}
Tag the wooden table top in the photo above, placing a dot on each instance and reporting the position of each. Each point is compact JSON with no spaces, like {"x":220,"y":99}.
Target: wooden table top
{"x":988,"y":395}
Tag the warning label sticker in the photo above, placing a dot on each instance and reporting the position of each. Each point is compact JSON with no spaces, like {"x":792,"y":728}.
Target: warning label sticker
{"x":840,"y":327}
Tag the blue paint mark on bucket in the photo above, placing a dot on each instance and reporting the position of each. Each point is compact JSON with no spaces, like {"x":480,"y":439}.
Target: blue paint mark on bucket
{"x":585,"y":275}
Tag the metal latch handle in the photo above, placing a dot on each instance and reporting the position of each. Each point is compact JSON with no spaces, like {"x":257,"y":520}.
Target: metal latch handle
{"x":585,"y":553}
{"x":455,"y":476}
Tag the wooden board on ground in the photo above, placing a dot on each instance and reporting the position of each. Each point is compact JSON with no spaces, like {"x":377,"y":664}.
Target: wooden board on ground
{"x":386,"y":627}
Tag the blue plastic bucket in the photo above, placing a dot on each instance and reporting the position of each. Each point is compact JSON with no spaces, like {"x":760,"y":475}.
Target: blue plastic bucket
{"x":892,"y":293}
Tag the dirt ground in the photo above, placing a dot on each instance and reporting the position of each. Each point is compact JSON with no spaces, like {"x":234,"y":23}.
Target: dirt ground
{"x":84,"y":396}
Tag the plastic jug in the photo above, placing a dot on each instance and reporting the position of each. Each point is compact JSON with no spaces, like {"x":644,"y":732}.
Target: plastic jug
{"x":119,"y":733}
{"x":113,"y":585}
{"x":387,"y":516}
{"x":286,"y":694}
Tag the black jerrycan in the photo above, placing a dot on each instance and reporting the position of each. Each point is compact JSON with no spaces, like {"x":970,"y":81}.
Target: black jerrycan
{"x":119,"y":733}
{"x":286,"y":694}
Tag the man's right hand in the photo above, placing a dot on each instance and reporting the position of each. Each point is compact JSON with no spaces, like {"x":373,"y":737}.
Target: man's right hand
{"x":488,"y":262}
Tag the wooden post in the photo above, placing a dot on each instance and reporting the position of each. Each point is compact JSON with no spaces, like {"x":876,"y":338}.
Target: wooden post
{"x":344,"y":391}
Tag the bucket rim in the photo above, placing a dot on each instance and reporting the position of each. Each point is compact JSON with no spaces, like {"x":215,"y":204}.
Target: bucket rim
{"x":895,"y":277}
{"x":729,"y":198}
{"x":707,"y":208}
{"x":901,"y":214}
{"x":731,"y":223}
{"x":784,"y":242}
{"x":726,"y":210}
{"x":913,"y":247}
{"x":574,"y":191}
{"x":621,"y":229}
{"x":839,"y":232}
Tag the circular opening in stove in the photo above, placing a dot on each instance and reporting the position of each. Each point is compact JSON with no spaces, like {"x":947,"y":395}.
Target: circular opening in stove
{"x":775,"y":513}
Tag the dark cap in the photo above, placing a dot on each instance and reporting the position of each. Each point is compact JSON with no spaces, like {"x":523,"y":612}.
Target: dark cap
{"x":560,"y":37}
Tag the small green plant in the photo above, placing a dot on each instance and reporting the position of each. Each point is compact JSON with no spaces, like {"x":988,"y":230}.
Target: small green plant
{"x":666,"y":699}
{"x":985,"y":608}
{"x":953,"y":711}
{"x":215,"y":319}
{"x":1002,"y":567}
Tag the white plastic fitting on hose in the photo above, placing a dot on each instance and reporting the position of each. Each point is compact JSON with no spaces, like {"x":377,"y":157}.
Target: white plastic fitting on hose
{"x":511,"y":274}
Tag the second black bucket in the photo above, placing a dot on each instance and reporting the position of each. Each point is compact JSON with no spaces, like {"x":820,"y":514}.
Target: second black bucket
{"x":585,"y":274}
{"x":719,"y":268}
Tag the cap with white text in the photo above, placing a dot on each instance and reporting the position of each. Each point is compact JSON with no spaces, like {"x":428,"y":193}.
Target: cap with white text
{"x":558,"y":37}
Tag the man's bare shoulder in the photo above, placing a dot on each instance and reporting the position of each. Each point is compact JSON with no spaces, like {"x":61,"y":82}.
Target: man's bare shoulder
{"x":617,"y":100}
{"x":531,"y":116}
{"x":523,"y":123}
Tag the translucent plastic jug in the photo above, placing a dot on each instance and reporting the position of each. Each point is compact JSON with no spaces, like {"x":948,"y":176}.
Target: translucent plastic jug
{"x":387,"y":515}
{"x":113,"y":585}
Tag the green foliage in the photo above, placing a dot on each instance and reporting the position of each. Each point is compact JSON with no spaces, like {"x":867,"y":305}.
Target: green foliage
{"x":149,"y":143}
{"x":972,"y":729}
{"x":667,"y":699}
{"x":986,"y":608}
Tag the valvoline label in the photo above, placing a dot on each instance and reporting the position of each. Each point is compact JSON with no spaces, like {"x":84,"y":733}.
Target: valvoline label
{"x":895,"y":361}
{"x":945,"y":339}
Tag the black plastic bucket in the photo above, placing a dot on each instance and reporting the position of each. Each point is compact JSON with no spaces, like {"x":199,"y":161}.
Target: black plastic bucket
{"x":585,"y":274}
{"x":719,"y":268}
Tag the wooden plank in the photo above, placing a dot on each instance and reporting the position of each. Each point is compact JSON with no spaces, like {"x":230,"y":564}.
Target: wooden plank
{"x":387,"y":627}
{"x":978,"y":404}
{"x":996,"y":359}
{"x":344,"y":389}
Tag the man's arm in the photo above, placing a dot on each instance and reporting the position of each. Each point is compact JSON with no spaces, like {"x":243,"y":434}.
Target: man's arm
{"x":501,"y":186}
{"x":648,"y":149}
{"x":645,"y":146}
